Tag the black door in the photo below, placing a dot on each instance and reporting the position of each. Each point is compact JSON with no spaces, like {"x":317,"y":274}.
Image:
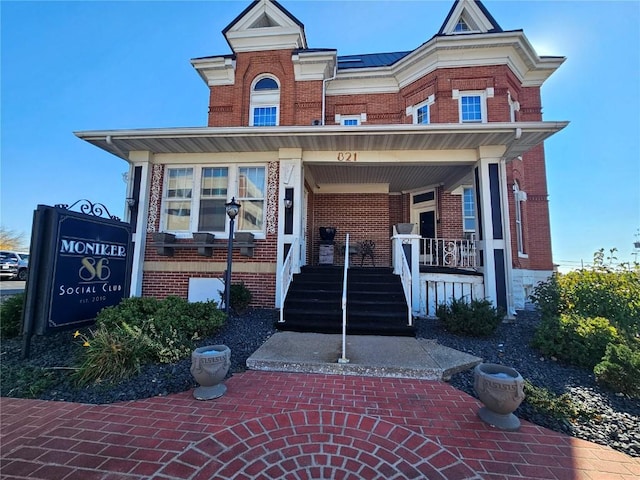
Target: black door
{"x":427,"y":229}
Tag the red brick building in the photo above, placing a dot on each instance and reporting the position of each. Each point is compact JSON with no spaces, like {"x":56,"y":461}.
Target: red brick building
{"x":447,"y":136}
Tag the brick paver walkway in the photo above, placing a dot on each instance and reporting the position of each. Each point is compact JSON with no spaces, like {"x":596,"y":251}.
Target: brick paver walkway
{"x":292,"y":426}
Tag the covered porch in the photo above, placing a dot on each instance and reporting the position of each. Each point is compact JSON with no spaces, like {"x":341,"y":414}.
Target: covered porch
{"x":323,"y":175}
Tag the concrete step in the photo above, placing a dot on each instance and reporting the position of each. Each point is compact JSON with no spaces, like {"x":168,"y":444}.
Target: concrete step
{"x":374,"y":356}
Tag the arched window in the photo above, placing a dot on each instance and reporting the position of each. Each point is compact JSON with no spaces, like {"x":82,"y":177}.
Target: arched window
{"x":265,"y":102}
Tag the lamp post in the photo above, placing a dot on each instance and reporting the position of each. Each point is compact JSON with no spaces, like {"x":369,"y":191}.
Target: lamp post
{"x":232,"y":209}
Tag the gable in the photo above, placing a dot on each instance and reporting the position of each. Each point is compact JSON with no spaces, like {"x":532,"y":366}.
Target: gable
{"x":265,"y":25}
{"x":469,"y":16}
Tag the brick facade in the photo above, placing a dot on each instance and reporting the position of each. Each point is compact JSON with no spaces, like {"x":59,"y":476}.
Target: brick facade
{"x":304,"y":95}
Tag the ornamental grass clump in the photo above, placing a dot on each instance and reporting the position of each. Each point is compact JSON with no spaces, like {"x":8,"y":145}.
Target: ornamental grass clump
{"x":139,"y":331}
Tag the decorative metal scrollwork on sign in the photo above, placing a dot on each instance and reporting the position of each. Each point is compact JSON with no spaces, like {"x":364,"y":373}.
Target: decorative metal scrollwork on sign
{"x":89,"y":208}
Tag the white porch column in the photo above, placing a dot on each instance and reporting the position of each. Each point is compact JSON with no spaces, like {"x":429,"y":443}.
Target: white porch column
{"x":291,"y":184}
{"x":143,"y":160}
{"x":493,"y":226}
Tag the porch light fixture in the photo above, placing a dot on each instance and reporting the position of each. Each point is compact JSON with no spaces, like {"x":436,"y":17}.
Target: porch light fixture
{"x":288,"y":203}
{"x":131,"y":203}
{"x":232,"y":209}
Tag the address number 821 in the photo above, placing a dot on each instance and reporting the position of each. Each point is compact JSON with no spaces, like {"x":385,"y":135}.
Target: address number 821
{"x":347,"y":156}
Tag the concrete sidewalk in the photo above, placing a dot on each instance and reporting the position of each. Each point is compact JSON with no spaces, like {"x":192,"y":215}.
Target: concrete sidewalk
{"x":368,"y":355}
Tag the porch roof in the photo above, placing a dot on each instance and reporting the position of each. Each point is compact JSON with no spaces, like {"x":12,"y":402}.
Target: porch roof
{"x":517,"y":137}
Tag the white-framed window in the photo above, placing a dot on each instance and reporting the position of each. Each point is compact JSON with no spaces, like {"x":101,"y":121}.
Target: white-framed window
{"x":519,"y":197}
{"x":461,"y":26}
{"x":472,"y":105}
{"x":194,"y":197}
{"x":420,"y":111}
{"x":265,"y":102}
{"x":178,"y":193}
{"x":468,"y":210}
{"x":514,"y":107}
{"x":251,"y":196}
{"x":351,"y":120}
{"x":212,"y":215}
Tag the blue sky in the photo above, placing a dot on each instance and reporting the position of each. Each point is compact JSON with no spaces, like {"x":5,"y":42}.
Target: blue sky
{"x":69,"y":66}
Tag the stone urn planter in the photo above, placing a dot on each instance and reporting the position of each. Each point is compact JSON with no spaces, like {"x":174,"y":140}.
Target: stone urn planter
{"x":501,"y":390}
{"x":209,"y":366}
{"x":404,"y":228}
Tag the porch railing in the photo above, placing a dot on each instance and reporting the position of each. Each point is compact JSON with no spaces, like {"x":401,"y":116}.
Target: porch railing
{"x":343,"y":358}
{"x":447,"y":252}
{"x":288,"y":269}
{"x":405,"y":277}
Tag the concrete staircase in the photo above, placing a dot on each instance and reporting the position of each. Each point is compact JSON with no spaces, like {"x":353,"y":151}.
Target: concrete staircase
{"x":375,"y":302}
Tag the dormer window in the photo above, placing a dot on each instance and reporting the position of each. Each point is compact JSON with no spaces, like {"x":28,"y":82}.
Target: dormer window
{"x":461,"y":26}
{"x":265,"y":102}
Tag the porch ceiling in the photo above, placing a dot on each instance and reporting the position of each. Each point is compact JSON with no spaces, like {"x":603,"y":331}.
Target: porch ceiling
{"x":399,"y":177}
{"x":518,"y":137}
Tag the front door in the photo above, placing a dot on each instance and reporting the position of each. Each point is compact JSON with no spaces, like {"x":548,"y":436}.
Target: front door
{"x":427,"y":231}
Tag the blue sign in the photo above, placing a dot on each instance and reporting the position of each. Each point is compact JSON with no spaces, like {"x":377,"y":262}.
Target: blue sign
{"x":80,"y":263}
{"x":90,"y":269}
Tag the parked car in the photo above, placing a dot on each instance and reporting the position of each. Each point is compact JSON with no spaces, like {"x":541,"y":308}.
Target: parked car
{"x":14,"y":265}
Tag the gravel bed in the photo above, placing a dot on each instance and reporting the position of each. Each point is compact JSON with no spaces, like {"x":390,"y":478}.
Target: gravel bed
{"x":615,"y":419}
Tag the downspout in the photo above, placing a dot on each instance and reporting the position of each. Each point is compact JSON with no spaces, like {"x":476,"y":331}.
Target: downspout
{"x":324,"y":88}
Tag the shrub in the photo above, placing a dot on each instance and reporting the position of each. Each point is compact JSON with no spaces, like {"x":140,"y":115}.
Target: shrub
{"x":189,"y":321}
{"x":620,"y":369}
{"x":477,"y":319}
{"x":577,"y":340}
{"x":143,"y":330}
{"x":11,"y":316}
{"x":133,"y":311}
{"x":604,"y":292}
{"x":557,"y":406}
{"x":241,"y":297}
{"x":600,"y":291}
{"x":548,"y":297}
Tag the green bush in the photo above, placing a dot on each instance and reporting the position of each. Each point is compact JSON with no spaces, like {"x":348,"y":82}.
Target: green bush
{"x":600,"y":291}
{"x":190,"y":321}
{"x":241,"y":297}
{"x":557,"y":406}
{"x":548,"y":297}
{"x":477,"y":319}
{"x":620,"y":369}
{"x":11,"y":316}
{"x":133,"y":311}
{"x":577,"y":340}
{"x":144,"y":330}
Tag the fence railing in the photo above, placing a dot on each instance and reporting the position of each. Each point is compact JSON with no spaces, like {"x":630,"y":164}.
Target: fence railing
{"x":446,"y":252}
{"x":288,"y":269}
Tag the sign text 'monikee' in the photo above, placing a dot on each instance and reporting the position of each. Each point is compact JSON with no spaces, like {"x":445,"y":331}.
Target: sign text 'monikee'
{"x":79,"y":247}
